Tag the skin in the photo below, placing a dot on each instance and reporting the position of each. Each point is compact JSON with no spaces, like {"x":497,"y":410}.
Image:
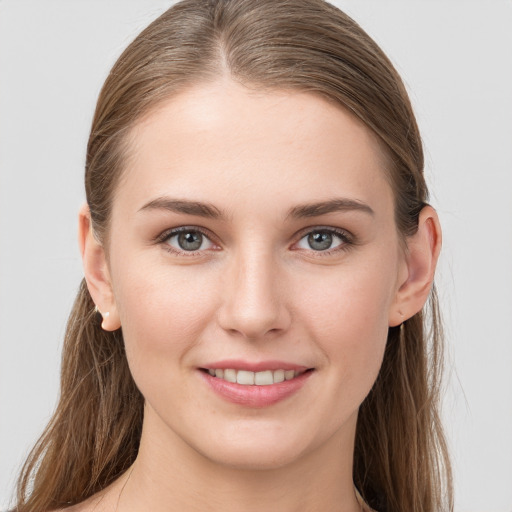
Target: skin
{"x":256,"y":290}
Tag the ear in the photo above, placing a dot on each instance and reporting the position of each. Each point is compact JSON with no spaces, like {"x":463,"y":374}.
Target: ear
{"x":421,"y":257}
{"x":96,"y":271}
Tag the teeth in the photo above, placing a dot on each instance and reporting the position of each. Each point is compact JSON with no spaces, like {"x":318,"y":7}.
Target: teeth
{"x":278,"y":376}
{"x":246,"y":378}
{"x":264,"y":378}
{"x":230,"y":375}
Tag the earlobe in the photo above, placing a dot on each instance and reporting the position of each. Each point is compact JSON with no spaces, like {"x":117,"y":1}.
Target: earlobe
{"x":422,"y":254}
{"x":96,"y":272}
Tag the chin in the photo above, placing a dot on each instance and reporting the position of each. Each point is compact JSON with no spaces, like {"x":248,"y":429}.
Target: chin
{"x":260,"y":449}
{"x":253,"y":458}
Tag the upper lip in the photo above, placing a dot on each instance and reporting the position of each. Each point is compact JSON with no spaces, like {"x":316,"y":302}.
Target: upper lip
{"x":239,"y":364}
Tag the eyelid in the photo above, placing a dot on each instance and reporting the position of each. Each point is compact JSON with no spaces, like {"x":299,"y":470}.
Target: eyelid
{"x":169,"y":233}
{"x":347,"y":238}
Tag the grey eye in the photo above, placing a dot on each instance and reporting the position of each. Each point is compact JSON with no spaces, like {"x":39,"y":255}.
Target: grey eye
{"x":189,"y":241}
{"x":321,"y":240}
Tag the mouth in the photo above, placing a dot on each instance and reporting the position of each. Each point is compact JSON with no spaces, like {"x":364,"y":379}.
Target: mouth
{"x":255,"y":384}
{"x":250,"y":378}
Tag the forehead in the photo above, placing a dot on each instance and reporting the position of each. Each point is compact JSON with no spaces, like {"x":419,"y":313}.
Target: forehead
{"x":220,"y":139}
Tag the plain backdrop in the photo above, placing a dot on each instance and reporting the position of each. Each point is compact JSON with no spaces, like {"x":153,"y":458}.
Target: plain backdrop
{"x":456,"y":60}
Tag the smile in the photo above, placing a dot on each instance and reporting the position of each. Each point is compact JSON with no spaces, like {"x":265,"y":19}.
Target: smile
{"x":259,"y":386}
{"x":248,"y":378}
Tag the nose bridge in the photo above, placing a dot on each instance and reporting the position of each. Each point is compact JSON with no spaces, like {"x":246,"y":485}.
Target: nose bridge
{"x":253,"y":302}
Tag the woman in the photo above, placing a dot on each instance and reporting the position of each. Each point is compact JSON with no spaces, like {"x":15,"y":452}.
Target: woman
{"x":258,"y":250}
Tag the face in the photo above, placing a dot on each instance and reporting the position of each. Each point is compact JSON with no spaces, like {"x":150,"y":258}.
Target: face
{"x":253,"y":237}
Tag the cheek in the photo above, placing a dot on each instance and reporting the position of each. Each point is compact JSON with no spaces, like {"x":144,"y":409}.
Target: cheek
{"x":163,"y":315}
{"x":163,"y":312}
{"x":348,"y":319}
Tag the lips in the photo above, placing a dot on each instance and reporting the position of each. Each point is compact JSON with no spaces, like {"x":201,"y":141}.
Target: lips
{"x":255,"y":385}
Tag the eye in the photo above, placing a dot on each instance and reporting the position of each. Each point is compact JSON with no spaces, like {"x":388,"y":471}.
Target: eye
{"x":323,"y":240}
{"x":187,"y":240}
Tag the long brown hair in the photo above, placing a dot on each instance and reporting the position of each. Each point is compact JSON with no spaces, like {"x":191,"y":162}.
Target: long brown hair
{"x":401,"y":462}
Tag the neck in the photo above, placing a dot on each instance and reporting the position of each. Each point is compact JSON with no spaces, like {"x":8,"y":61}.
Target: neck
{"x":172,"y":476}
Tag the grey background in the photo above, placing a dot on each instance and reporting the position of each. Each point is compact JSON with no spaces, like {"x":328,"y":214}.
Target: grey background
{"x":456,"y":59}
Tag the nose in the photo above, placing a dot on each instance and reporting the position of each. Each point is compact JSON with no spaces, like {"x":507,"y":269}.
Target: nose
{"x":253,"y":304}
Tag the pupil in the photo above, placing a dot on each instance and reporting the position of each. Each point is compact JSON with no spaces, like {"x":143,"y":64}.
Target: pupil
{"x":190,"y":241}
{"x":320,"y":241}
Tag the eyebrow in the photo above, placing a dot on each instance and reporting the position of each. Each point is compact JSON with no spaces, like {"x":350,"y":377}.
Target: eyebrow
{"x":330,"y":206}
{"x":208,"y":210}
{"x":196,"y":208}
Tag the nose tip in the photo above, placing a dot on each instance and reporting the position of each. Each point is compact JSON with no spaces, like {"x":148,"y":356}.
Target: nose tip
{"x":251,"y":327}
{"x":253,"y":305}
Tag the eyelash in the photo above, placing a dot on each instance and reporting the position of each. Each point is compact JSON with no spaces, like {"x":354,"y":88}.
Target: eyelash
{"x":347,"y":240}
{"x":167,"y":235}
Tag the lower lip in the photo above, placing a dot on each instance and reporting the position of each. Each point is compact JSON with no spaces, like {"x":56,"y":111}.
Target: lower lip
{"x":256,"y":396}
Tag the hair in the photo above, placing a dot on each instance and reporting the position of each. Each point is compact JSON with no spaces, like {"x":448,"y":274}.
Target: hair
{"x":400,"y":461}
